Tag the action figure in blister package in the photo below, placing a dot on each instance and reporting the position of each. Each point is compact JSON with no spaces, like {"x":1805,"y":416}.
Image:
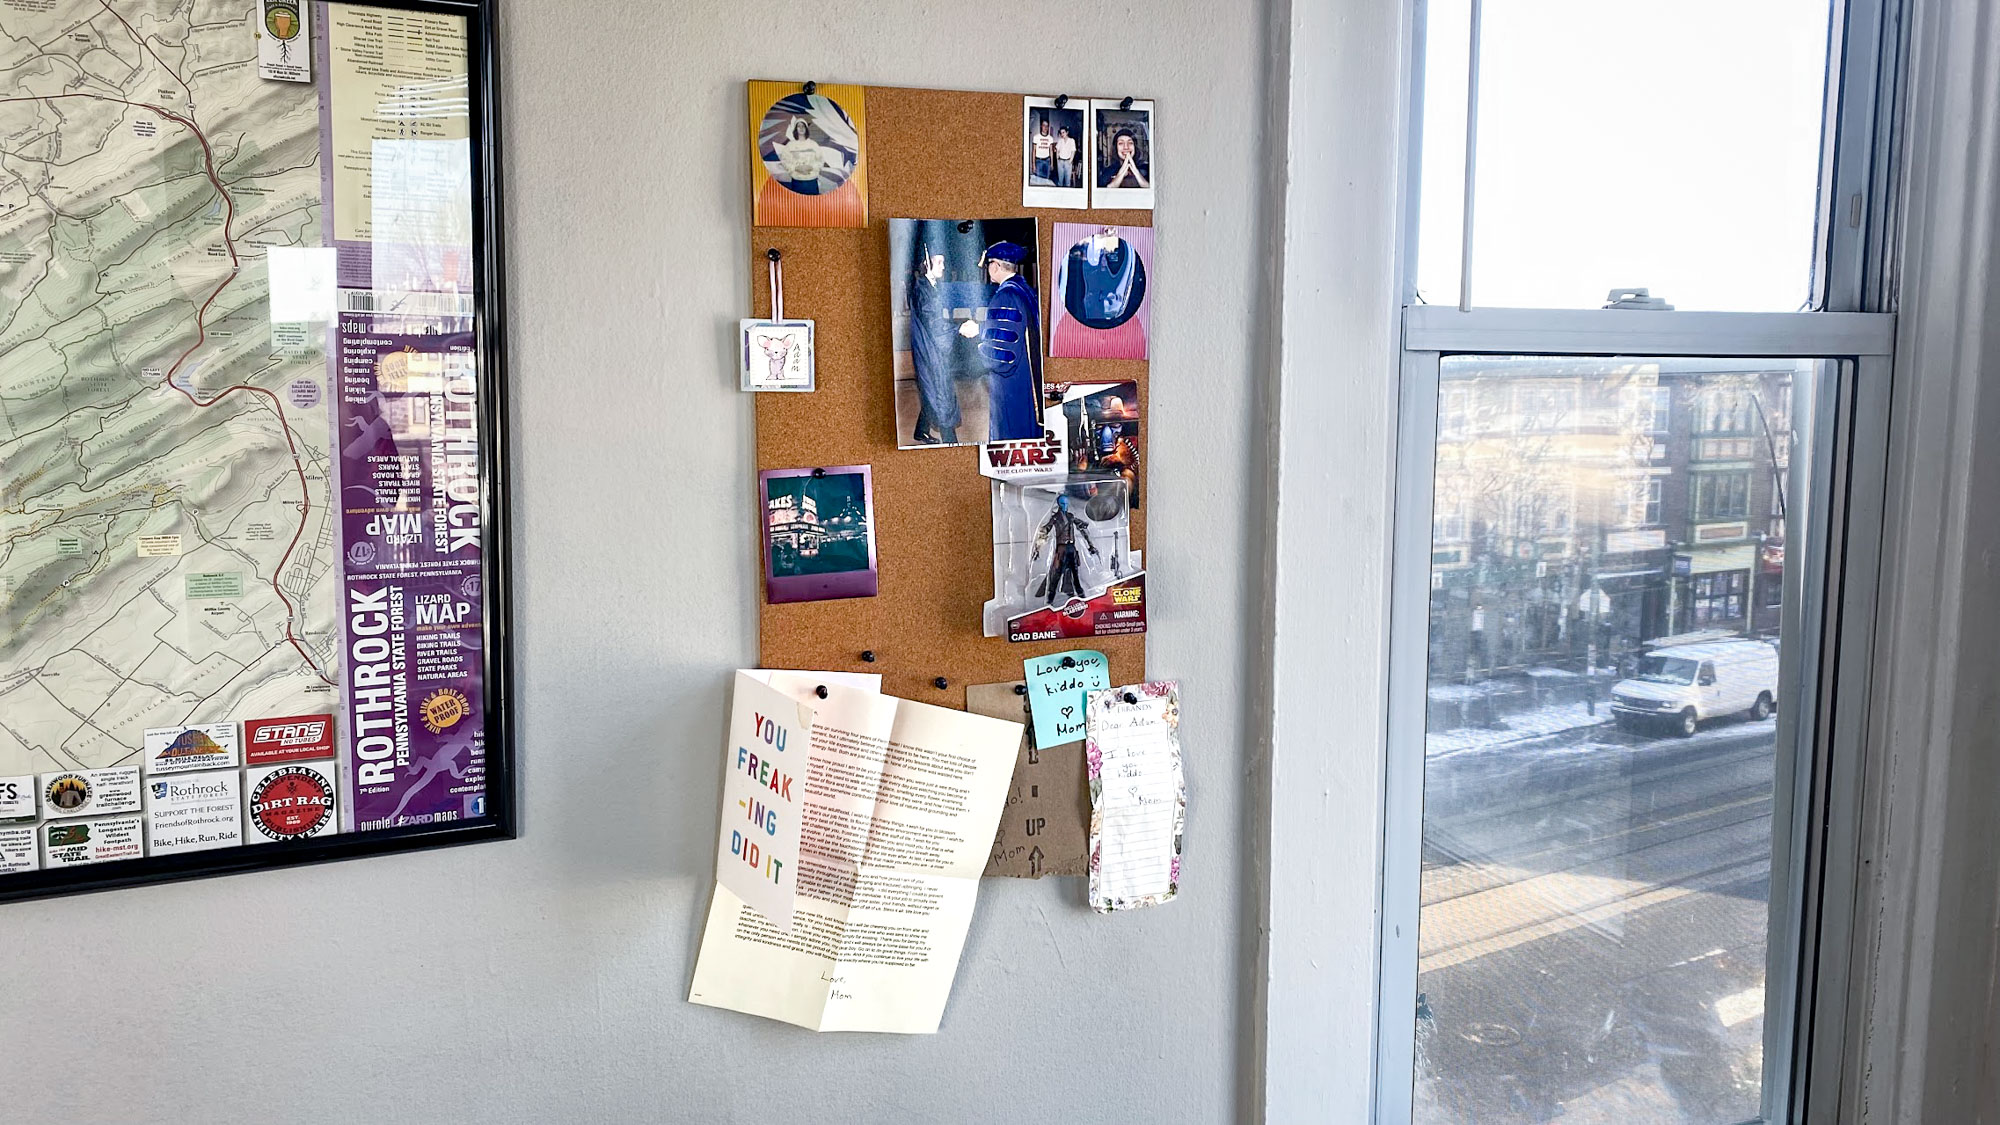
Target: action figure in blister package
{"x":1061,"y":561}
{"x":1063,"y":564}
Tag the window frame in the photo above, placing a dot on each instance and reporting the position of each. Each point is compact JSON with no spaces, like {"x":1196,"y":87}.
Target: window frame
{"x":1830,"y":591}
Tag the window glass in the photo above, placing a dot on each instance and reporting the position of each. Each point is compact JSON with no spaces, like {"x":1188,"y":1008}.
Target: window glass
{"x":1600,"y":743}
{"x":1674,"y":147}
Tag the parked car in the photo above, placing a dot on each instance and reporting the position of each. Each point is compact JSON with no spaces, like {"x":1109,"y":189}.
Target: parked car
{"x":1682,"y":686}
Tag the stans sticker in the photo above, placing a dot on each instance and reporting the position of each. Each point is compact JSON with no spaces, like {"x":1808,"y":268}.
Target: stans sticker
{"x":300,"y":738}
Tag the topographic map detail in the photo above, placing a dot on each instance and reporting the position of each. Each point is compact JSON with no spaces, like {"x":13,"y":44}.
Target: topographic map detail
{"x":166,"y":549}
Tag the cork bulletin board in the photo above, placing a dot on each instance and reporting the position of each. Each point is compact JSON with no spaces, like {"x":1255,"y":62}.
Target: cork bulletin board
{"x":930,"y":154}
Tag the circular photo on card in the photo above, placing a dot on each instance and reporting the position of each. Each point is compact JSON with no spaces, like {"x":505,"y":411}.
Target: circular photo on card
{"x":1104,"y":280}
{"x":808,"y":143}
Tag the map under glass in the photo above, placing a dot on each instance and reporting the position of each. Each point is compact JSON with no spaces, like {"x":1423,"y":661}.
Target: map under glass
{"x":239,"y":490}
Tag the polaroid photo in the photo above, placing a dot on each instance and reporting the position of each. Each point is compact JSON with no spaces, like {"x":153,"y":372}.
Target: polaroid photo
{"x":777,"y":355}
{"x":1102,"y":278}
{"x":819,"y":533}
{"x":1053,"y":148}
{"x":966,"y":331}
{"x":807,"y":155}
{"x":1121,"y":154}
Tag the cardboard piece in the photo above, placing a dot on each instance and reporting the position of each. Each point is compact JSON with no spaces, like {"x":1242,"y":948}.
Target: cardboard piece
{"x":1045,"y":824}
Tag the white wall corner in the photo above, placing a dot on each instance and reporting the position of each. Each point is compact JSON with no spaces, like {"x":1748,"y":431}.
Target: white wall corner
{"x":1343,"y":125}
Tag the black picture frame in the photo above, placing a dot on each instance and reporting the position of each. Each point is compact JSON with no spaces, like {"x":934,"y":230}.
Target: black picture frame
{"x":501,"y":821}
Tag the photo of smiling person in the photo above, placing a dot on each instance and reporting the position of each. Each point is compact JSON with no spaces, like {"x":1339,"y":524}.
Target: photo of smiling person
{"x":807,"y":156}
{"x":1122,"y":154}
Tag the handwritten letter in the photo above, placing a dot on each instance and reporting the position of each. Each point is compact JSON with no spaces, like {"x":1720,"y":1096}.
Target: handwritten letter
{"x":1138,"y":797}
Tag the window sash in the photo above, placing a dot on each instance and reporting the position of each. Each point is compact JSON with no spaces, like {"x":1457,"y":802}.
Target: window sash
{"x":1860,"y":346}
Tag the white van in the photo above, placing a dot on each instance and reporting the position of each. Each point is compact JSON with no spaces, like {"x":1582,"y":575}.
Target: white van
{"x":1683,"y":685}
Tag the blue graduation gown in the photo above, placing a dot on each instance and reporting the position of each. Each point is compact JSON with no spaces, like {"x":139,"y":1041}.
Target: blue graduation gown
{"x":1010,"y":345}
{"x":931,"y":338}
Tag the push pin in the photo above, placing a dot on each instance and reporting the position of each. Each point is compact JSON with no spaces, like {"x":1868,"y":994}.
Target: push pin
{"x":868,"y":656}
{"x":941,"y":683}
{"x":1020,"y":689}
{"x":813,"y":88}
{"x":820,"y":691}
{"x":773,"y":254}
{"x":1069,"y":661}
{"x":818,"y":473}
{"x":965,"y":226}
{"x":1062,"y":100}
{"x":1128,"y":697}
{"x":1126,"y":104}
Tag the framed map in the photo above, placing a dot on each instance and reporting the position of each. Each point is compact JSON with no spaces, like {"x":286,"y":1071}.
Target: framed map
{"x":253,"y":584}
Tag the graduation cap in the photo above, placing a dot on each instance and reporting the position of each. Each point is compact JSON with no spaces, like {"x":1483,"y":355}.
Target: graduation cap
{"x":1012,"y":253}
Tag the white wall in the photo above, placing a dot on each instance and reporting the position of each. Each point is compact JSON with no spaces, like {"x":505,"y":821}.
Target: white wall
{"x":544,"y":979}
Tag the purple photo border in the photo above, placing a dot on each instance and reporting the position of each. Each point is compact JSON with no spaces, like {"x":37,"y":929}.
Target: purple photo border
{"x":816,"y":587}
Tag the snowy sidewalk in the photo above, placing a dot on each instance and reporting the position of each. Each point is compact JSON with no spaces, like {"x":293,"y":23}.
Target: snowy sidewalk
{"x":1555,"y":718}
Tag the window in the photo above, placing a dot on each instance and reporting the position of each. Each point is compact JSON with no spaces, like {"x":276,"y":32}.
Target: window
{"x":1646,"y":499}
{"x":1542,"y":406}
{"x":1721,"y":496}
{"x":1718,"y":598}
{"x":1607,"y":157}
{"x":1448,"y":526}
{"x":1725,"y":410}
{"x":1454,"y":414}
{"x":1591,"y":794}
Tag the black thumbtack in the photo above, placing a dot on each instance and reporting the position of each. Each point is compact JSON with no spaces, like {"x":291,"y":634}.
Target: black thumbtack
{"x":1020,"y":689}
{"x":1069,"y":661}
{"x":820,"y":691}
{"x":813,"y":88}
{"x":1128,"y":696}
{"x":868,"y":657}
{"x":819,"y":473}
{"x":965,"y":226}
{"x":1062,"y":100}
{"x":1126,"y":104}
{"x":942,"y":683}
{"x":773,"y":254}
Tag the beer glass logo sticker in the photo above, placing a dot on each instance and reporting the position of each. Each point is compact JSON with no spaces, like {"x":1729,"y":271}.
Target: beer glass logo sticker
{"x":282,"y":21}
{"x":443,"y":709}
{"x":293,"y":802}
{"x":67,"y":792}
